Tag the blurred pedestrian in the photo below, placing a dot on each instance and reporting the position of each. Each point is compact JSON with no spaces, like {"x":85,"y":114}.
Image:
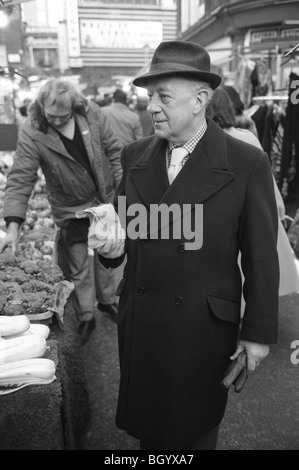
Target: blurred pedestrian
{"x":222,"y":111}
{"x":144,"y":115}
{"x":25,"y":106}
{"x":79,"y":154}
{"x":242,"y":120}
{"x":125,"y":122}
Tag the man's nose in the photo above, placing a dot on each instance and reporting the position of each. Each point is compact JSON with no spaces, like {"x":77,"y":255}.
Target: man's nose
{"x":154,"y":105}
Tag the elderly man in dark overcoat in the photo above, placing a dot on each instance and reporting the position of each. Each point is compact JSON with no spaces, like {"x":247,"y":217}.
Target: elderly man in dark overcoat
{"x":179,"y":324}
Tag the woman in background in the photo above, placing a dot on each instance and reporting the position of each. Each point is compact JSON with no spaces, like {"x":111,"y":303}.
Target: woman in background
{"x":221,"y":110}
{"x":242,"y":120}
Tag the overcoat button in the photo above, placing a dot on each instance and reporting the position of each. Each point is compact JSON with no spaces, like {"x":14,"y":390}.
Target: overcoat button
{"x":179,"y":301}
{"x":181,"y":248}
{"x":141,"y":291}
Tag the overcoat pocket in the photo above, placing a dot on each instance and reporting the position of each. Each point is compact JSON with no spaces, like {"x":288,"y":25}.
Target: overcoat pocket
{"x":224,"y":309}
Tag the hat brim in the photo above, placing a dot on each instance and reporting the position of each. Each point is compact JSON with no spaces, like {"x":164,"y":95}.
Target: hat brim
{"x":212,"y":78}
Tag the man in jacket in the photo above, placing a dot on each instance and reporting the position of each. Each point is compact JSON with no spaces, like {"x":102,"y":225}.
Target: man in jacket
{"x":144,"y":115}
{"x":186,"y":222}
{"x":126,"y":123}
{"x":79,"y":154}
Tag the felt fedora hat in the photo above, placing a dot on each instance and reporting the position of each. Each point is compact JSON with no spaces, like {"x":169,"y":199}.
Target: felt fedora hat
{"x":180,"y":58}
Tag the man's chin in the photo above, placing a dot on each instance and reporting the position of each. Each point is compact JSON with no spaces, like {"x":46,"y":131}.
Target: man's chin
{"x":160,"y":133}
{"x":58,"y":128}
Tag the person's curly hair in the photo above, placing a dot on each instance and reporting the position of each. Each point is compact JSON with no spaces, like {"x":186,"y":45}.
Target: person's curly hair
{"x":221,"y":110}
{"x":61,"y":93}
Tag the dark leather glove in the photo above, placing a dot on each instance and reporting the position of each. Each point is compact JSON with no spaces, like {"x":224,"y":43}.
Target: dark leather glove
{"x":237,"y":372}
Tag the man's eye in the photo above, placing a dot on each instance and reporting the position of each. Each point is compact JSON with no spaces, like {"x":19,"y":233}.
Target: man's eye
{"x":164,"y":98}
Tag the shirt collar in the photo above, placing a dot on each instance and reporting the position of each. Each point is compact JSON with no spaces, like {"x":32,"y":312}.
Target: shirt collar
{"x":191,"y":144}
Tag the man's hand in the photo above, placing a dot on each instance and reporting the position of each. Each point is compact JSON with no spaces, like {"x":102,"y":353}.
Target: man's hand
{"x":105,"y":233}
{"x":255,"y":352}
{"x":11,"y":239}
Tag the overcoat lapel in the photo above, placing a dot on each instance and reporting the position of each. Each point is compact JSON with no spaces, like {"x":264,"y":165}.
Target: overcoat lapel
{"x":149,"y":175}
{"x":205,"y":173}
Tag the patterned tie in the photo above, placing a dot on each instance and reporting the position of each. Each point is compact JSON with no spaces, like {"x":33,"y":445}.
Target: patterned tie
{"x":177,"y":156}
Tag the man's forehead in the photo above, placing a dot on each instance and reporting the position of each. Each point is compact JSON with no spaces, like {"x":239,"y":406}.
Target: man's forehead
{"x":167,"y":83}
{"x":54,"y":110}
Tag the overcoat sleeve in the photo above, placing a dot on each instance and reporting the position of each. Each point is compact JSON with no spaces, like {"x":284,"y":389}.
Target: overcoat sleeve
{"x":259,"y":258}
{"x":116,"y":262}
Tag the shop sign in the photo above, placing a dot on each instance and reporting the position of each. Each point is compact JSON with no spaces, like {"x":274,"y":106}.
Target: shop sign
{"x":260,"y":36}
{"x":44,"y":43}
{"x":63,"y":53}
{"x":290,"y":33}
{"x":120,"y":34}
{"x":73,"y":28}
{"x":40,"y":30}
{"x":274,"y":35}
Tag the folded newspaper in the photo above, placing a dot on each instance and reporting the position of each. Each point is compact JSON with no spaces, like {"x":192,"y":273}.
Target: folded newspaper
{"x":104,"y":227}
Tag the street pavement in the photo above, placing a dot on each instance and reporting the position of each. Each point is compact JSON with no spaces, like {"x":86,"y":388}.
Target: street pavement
{"x":264,"y":416}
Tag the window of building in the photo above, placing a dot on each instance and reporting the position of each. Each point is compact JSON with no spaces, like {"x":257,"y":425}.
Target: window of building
{"x":45,"y":58}
{"x":191,"y":12}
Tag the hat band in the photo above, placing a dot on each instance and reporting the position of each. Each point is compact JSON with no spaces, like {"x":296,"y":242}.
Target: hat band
{"x":174,"y":66}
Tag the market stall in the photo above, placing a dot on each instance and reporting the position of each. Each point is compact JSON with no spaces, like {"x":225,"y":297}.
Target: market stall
{"x":54,"y":415}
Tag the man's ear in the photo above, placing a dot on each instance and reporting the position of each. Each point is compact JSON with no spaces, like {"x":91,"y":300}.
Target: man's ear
{"x":201,"y":99}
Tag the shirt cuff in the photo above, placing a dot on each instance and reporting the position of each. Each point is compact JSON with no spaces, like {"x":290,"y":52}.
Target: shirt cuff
{"x":9,"y":220}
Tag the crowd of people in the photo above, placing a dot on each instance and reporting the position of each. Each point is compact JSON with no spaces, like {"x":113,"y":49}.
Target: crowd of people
{"x":183,"y":315}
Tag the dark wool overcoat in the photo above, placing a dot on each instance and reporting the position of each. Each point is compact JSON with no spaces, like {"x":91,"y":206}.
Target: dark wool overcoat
{"x":179,"y":309}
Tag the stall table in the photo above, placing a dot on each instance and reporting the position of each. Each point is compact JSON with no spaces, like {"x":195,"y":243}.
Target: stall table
{"x":52,"y":416}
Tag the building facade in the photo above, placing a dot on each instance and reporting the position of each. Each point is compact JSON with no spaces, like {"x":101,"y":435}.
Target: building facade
{"x":238,"y":31}
{"x":117,"y":38}
{"x":41,"y":38}
{"x":103,"y":41}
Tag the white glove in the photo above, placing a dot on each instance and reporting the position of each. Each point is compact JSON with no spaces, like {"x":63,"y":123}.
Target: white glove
{"x":105,"y":234}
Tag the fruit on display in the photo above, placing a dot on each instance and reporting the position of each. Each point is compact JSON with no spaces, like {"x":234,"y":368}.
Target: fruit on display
{"x":38,"y":217}
{"x":24,"y":347}
{"x":13,"y":325}
{"x":19,"y":374}
{"x":38,"y":329}
{"x":27,"y":286}
{"x":31,"y":285}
